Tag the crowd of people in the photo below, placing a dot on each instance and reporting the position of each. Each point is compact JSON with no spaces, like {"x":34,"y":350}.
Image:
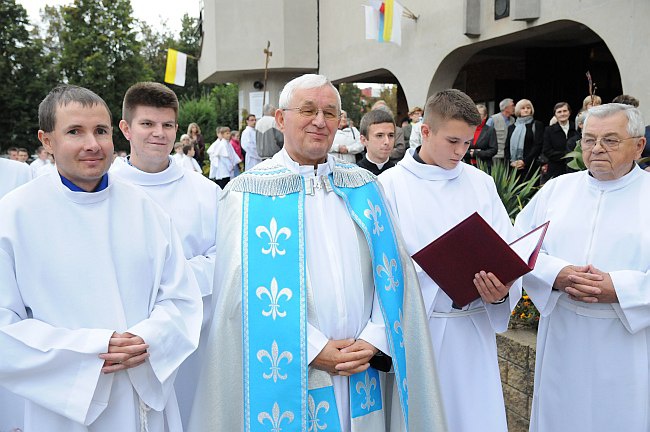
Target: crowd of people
{"x":279,"y":293}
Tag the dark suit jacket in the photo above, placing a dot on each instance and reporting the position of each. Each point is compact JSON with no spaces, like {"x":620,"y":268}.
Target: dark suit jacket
{"x":555,"y":148}
{"x":533,"y":143}
{"x":400,"y":146}
{"x":486,"y":146}
{"x":646,"y":150}
{"x":366,"y":164}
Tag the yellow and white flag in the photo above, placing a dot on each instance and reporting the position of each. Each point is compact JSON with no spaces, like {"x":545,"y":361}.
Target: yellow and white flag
{"x":176,"y":64}
{"x":384,"y":21}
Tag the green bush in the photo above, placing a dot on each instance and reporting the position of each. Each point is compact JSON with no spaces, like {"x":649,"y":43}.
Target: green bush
{"x":513,"y":193}
{"x":576,"y":162}
{"x":201,"y":111}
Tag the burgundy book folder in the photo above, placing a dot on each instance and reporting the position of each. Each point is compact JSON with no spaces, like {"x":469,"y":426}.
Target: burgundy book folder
{"x":455,"y":257}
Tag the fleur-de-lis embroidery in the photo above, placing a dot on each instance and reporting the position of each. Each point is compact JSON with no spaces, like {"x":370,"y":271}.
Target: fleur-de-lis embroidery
{"x":397,"y":326}
{"x":275,"y":418}
{"x":275,"y":359}
{"x":367,"y":387}
{"x":314,"y":421}
{"x":373,"y":213}
{"x":274,"y":237}
{"x":274,"y":296}
{"x":387,"y":267}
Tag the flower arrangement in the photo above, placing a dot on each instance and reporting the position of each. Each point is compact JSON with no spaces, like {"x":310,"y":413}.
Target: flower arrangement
{"x":525,"y":314}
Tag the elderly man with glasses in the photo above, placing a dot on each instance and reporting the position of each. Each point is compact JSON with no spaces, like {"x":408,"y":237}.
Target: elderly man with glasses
{"x":317,"y":296}
{"x":591,"y":284}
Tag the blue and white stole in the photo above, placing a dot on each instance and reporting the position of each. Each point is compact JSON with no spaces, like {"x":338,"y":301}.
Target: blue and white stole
{"x":274,"y":311}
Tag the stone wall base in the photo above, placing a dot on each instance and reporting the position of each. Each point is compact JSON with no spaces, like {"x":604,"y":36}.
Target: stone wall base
{"x":516,"y":353}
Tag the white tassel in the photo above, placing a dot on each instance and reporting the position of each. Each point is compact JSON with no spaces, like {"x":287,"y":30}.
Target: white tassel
{"x":144,"y":421}
{"x":271,"y":179}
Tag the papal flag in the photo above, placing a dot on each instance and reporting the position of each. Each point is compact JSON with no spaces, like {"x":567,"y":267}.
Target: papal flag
{"x":384,"y":21}
{"x":176,"y":64}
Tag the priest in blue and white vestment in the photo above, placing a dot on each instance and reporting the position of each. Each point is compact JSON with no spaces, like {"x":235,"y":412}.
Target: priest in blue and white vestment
{"x":315,"y":287}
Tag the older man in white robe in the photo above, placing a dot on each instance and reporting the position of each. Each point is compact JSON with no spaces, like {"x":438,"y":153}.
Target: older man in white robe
{"x":314,"y":281}
{"x":95,"y":320}
{"x":592,"y":284}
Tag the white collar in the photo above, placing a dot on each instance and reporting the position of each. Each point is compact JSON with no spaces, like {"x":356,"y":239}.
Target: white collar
{"x":136,"y":176}
{"x":283,"y":158}
{"x":429,"y":172}
{"x":380,"y":165}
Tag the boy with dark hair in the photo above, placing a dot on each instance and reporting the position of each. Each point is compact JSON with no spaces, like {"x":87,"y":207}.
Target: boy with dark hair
{"x":377,"y":131}
{"x":430,"y":191}
{"x":149,"y":122}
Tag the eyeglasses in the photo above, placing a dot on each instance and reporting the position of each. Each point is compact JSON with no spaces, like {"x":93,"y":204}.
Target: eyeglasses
{"x":311,"y":112}
{"x":608,"y":143}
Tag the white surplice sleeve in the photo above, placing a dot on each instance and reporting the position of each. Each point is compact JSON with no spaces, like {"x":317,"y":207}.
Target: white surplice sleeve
{"x":375,"y":330}
{"x":539,"y":282}
{"x":203,"y":264}
{"x":499,"y":314}
{"x":633,"y":291}
{"x":316,"y":341}
{"x":57,"y":368}
{"x":172,"y":329}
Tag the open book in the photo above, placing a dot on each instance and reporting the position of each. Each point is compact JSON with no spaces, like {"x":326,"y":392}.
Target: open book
{"x":455,"y":257}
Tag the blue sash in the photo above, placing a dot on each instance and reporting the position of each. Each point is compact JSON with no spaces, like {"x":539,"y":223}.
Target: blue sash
{"x":274,"y":319}
{"x":366,"y":206}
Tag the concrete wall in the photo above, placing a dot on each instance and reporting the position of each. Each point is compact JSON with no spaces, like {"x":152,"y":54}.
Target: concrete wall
{"x":236,"y":34}
{"x":433,"y":49}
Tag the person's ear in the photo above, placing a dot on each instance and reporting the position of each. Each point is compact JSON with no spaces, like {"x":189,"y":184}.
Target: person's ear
{"x":126,"y":129}
{"x":279,"y":119}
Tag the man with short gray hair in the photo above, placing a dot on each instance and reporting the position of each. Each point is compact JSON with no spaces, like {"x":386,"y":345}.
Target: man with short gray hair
{"x":591,"y":284}
{"x":267,"y":121}
{"x":307,"y":322}
{"x":500,"y":122}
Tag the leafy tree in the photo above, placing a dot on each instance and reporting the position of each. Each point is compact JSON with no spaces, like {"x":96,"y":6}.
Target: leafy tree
{"x":201,"y":111}
{"x":351,"y":102}
{"x":389,"y":95}
{"x":154,"y":49}
{"x":226,"y":99}
{"x":25,"y":75}
{"x":101,"y":51}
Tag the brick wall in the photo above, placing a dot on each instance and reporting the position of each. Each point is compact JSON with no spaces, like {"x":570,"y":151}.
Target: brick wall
{"x":516,"y":351}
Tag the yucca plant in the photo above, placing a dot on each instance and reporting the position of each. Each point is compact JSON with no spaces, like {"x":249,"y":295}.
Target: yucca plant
{"x":513,"y":193}
{"x":576,"y":162}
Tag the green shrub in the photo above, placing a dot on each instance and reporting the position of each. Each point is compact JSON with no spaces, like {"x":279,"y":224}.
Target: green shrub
{"x":514,"y":194}
{"x":576,"y":162}
{"x":201,"y":111}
